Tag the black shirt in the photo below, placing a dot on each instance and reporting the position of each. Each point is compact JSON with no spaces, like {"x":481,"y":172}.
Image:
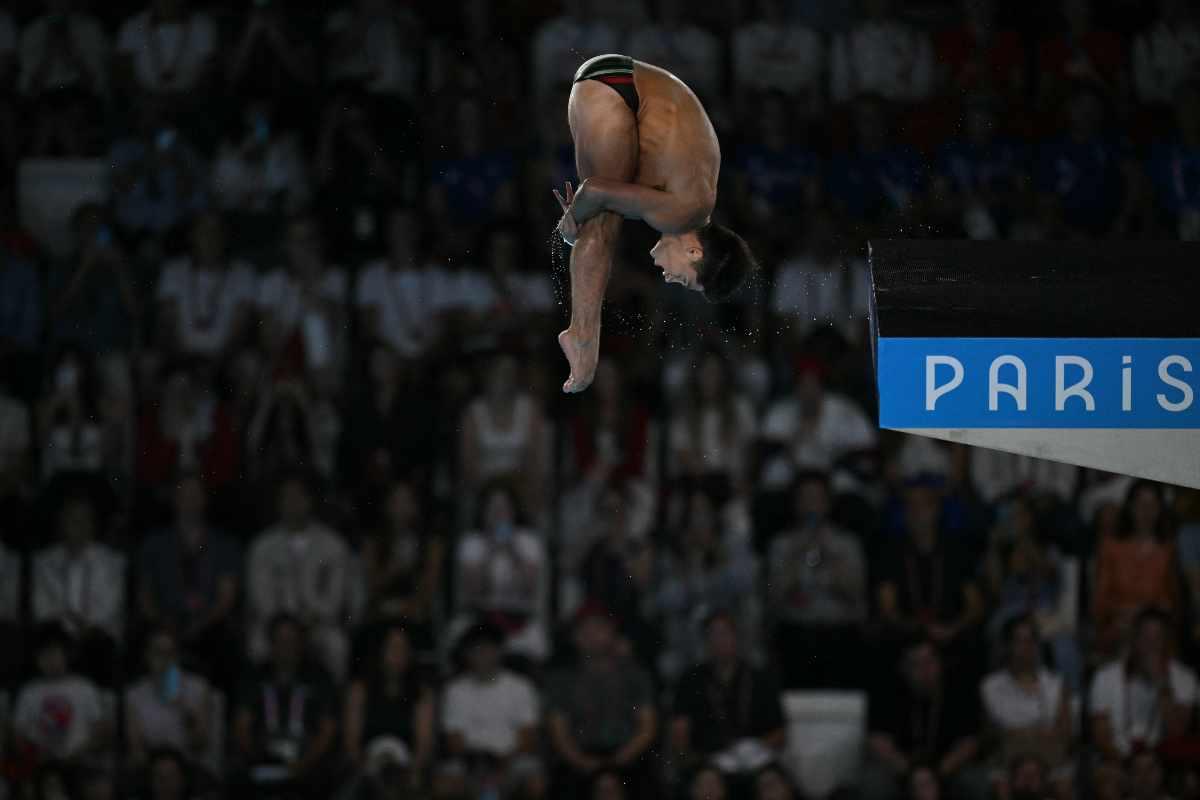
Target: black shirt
{"x":929,"y":586}
{"x":289,"y":711}
{"x":748,"y":706}
{"x":926,"y":728}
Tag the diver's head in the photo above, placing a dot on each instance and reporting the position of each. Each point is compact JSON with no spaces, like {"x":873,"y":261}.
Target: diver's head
{"x":711,"y":259}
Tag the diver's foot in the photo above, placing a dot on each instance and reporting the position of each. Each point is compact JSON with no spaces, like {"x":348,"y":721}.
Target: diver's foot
{"x":582,"y":355}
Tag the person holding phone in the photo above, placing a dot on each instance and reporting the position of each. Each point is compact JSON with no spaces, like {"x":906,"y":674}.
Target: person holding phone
{"x":169,"y":707}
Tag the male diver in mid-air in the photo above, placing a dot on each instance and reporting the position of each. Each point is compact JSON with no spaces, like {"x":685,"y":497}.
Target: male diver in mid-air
{"x":644,"y":149}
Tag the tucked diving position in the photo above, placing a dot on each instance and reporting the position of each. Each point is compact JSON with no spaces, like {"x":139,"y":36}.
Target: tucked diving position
{"x":644,"y":149}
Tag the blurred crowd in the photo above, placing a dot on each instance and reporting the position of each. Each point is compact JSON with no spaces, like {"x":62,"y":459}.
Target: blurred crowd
{"x":291,"y":505}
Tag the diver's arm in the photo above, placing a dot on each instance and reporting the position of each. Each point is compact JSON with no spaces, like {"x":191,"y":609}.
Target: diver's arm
{"x":663,"y":211}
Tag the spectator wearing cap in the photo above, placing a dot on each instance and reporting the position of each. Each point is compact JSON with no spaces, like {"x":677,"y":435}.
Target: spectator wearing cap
{"x":600,"y":713}
{"x":285,"y":719}
{"x":488,"y":709}
{"x":1146,"y":698}
{"x":300,"y":566}
{"x":727,"y":711}
{"x":818,"y":591}
{"x":390,"y":702}
{"x":928,"y":717}
{"x":814,"y":427}
{"x":59,"y":715}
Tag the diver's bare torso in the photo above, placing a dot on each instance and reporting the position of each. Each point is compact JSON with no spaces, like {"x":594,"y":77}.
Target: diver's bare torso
{"x":678,"y":151}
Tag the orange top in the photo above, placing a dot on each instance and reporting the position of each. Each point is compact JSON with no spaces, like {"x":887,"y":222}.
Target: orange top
{"x":1133,"y":574}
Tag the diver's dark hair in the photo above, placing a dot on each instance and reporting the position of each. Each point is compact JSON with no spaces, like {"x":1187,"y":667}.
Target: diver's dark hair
{"x":726,"y":263}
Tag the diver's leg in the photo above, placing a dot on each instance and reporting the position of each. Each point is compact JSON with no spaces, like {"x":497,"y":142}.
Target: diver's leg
{"x":606,"y":145}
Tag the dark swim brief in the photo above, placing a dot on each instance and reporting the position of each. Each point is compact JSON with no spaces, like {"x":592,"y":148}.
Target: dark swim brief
{"x":614,"y":70}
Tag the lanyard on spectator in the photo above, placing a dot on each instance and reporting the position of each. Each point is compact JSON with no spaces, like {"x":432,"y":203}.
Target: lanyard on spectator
{"x":295,"y":711}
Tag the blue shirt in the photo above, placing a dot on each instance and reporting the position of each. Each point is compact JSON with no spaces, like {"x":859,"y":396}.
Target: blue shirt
{"x":1175,"y":174}
{"x":1086,"y":177}
{"x":20,"y":301}
{"x":867,"y":185}
{"x":991,"y":167}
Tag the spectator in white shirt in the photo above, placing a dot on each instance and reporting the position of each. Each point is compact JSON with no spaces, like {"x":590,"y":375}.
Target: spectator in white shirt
{"x":1145,"y":698}
{"x":1026,"y":705}
{"x":302,"y":305}
{"x":59,"y":714}
{"x":1167,"y":54}
{"x":69,"y":430}
{"x":771,"y":52}
{"x":205,"y":299}
{"x":501,"y":572}
{"x":63,"y":49}
{"x":882,"y":55}
{"x":693,"y":54}
{"x":488,"y":709}
{"x":168,"y":48}
{"x":396,"y":296}
{"x":260,"y":168}
{"x":502,"y":435}
{"x":300,"y":566}
{"x":80,"y":583}
{"x":816,"y":427}
{"x":378,"y":44}
{"x":564,"y":42}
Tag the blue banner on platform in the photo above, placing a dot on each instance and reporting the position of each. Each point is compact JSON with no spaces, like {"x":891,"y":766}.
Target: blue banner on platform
{"x":1038,"y":383}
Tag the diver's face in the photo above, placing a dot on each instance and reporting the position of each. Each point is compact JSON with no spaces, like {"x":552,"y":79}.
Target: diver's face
{"x":677,"y":255}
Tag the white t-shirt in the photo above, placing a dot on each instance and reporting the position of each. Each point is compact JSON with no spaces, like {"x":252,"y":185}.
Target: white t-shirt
{"x":90,"y":586}
{"x":1009,"y":706}
{"x":530,"y":294}
{"x":562,"y":44}
{"x":207,"y":301}
{"x":505,"y":591}
{"x":386,"y":53}
{"x":163,"y":723}
{"x":90,"y":43}
{"x":58,"y":715}
{"x":465,"y":289}
{"x":690,"y":53}
{"x":1162,"y":57}
{"x":1132,"y":704}
{"x":168,"y":57}
{"x":489,"y":715}
{"x":71,"y":449}
{"x":406,"y":302}
{"x":502,"y":446}
{"x":245,"y":185}
{"x":279,"y":293}
{"x":789,"y":58}
{"x":886,"y":57}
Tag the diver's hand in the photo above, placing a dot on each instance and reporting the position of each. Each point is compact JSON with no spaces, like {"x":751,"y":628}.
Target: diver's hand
{"x":568,"y":228}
